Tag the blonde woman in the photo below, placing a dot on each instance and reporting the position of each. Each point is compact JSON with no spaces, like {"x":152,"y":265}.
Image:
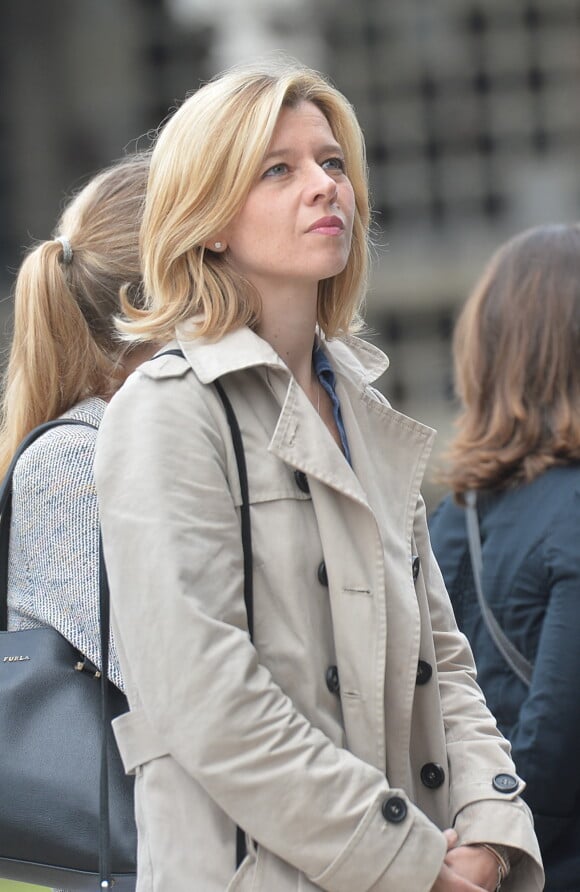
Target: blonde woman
{"x":349,"y":736}
{"x":517,"y":369}
{"x":66,"y":359}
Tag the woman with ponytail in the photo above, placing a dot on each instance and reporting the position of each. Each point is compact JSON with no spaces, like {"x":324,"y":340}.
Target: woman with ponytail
{"x":66,"y":360}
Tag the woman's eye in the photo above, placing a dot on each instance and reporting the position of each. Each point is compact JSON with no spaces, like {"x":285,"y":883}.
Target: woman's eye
{"x":334,"y":164}
{"x":276,"y":170}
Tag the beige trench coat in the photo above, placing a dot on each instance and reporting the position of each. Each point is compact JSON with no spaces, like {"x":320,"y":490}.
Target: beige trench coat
{"x":344,"y":790}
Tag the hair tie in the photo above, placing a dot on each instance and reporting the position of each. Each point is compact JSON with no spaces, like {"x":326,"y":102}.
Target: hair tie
{"x":67,"y":251}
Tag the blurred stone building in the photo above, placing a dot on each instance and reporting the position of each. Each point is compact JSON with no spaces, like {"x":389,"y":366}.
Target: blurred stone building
{"x":471,"y":112}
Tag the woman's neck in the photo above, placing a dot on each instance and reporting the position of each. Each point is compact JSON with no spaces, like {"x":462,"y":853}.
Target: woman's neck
{"x":127,"y":362}
{"x":289,"y":326}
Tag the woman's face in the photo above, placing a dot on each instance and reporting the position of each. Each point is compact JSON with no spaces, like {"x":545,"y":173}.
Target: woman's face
{"x":296,"y":225}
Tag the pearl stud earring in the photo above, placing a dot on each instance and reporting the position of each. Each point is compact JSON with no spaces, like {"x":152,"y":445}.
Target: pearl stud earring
{"x":218,"y":245}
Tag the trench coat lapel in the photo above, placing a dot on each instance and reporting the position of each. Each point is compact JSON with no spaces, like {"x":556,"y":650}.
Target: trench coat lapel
{"x":303,"y":441}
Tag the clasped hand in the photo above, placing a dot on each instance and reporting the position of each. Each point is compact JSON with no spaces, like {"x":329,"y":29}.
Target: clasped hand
{"x":466,"y":868}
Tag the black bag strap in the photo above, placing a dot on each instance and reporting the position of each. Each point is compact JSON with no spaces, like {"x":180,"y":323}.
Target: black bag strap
{"x":515,"y":660}
{"x":238,"y":444}
{"x":104,"y":824}
{"x":245,"y":507}
{"x":5,"y":517}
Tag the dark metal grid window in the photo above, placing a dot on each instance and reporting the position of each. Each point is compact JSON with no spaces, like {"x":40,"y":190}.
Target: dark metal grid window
{"x":449,"y":95}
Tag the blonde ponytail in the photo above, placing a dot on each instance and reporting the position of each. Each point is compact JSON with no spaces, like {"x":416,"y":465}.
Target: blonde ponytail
{"x":65,"y":347}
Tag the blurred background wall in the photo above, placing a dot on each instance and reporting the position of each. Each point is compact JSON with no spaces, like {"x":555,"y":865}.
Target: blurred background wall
{"x":471,"y":112}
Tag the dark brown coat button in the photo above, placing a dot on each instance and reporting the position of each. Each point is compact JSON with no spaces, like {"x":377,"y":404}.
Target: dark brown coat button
{"x":301,"y":481}
{"x":432,"y":775}
{"x":332,"y":680}
{"x":322,"y":575}
{"x":505,"y":783}
{"x":394,"y":810}
{"x":424,"y":672}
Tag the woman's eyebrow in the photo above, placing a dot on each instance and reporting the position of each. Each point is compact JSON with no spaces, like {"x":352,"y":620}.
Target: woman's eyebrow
{"x":283,"y":153}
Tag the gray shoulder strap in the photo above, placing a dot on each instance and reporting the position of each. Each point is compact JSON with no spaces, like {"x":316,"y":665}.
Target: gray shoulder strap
{"x":515,"y":660}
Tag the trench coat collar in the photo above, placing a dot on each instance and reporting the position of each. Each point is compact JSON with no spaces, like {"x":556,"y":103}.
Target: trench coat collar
{"x":301,"y":439}
{"x":243,"y":348}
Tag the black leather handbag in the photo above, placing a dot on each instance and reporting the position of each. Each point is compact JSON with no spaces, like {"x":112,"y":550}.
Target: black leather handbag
{"x":66,"y":804}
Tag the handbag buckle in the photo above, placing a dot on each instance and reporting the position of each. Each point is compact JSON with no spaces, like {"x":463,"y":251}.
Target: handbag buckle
{"x":85,"y":665}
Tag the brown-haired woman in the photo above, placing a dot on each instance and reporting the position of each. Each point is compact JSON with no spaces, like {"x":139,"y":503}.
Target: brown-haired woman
{"x":517,"y":367}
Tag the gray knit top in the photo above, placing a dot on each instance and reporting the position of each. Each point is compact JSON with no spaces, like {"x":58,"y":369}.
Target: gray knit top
{"x":54,"y":536}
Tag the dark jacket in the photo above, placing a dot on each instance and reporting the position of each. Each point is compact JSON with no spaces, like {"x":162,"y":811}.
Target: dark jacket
{"x":531,"y":578}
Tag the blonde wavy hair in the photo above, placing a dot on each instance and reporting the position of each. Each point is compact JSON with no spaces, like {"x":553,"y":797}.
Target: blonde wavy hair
{"x":516,"y":351}
{"x":65,"y":346}
{"x":204,"y":163}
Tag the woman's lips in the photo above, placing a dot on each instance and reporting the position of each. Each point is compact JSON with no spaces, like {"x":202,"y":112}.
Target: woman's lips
{"x":328,"y":226}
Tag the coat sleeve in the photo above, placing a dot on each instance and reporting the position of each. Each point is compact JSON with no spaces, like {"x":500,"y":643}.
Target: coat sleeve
{"x":165,"y":475}
{"x":476,"y":750}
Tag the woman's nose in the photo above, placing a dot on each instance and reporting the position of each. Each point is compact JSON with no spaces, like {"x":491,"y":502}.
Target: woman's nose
{"x":321,"y":185}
